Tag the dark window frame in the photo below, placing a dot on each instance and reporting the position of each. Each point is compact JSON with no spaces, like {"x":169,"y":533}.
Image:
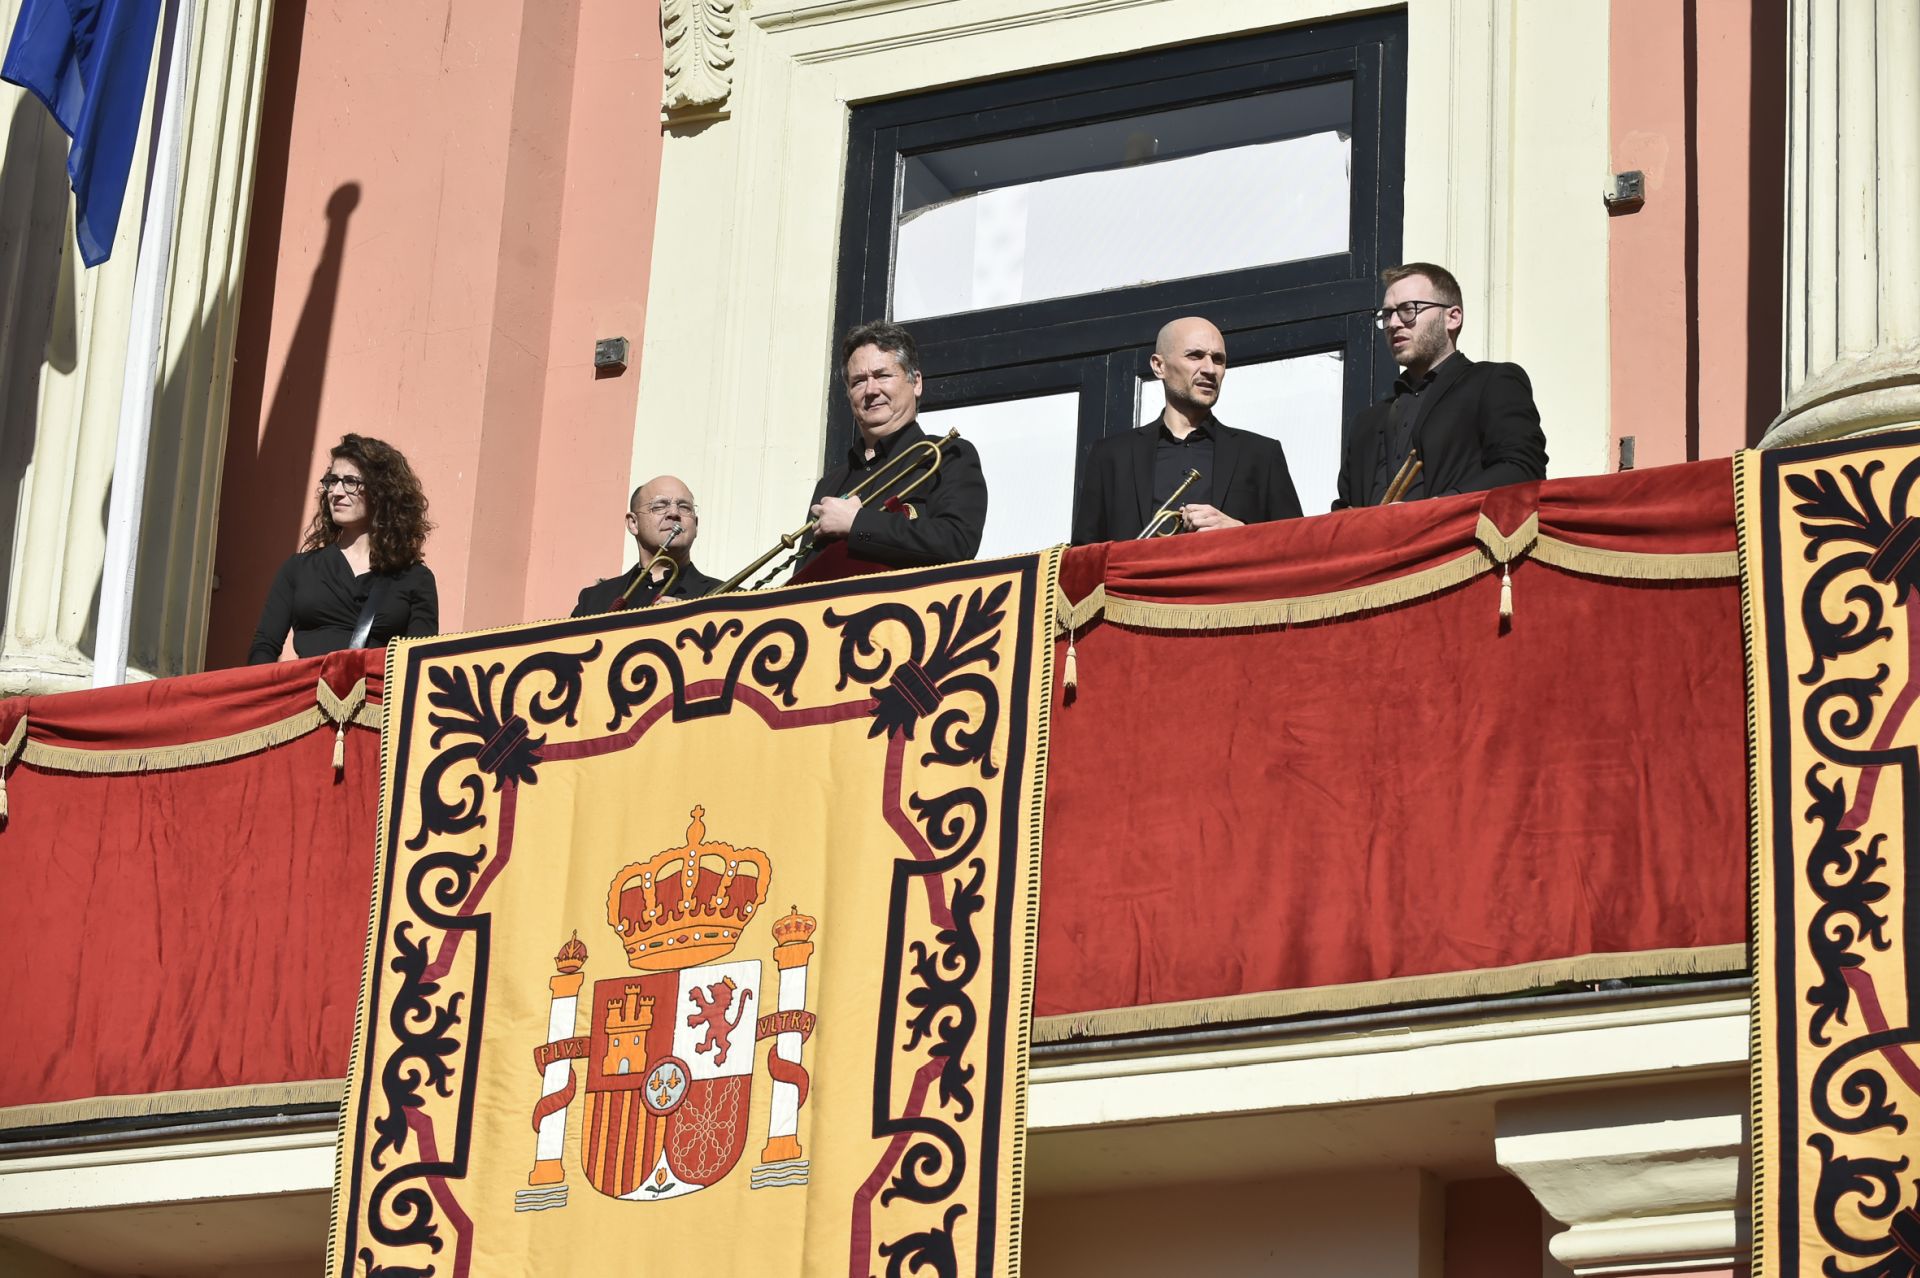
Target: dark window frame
{"x":1098,"y":343}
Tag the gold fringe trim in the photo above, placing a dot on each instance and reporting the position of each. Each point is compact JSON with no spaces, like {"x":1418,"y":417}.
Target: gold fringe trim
{"x":1026,"y":927}
{"x":1503,"y":548}
{"x":8,"y":752}
{"x":1150,"y":615}
{"x":1070,"y":616}
{"x":181,"y":1104}
{"x":1592,"y":561}
{"x":1496,"y":550}
{"x":338,"y":711}
{"x":1372,"y":995}
{"x":11,"y":750}
{"x":1763,"y":1092}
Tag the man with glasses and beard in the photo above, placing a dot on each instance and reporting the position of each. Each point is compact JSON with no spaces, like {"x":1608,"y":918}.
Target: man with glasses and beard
{"x":655,"y":510}
{"x":1452,"y":425}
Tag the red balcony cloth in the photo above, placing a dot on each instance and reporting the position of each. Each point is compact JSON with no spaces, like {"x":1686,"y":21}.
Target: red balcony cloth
{"x":1409,"y":791}
{"x":194,"y":928}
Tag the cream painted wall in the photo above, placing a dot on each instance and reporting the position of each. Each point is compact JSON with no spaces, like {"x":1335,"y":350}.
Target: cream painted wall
{"x":1359,"y":1225}
{"x":63,"y":338}
{"x":1506,"y":154}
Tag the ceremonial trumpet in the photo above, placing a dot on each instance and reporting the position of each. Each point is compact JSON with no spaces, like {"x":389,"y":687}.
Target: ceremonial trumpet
{"x":902,"y":476}
{"x":646,"y":571}
{"x":1158,"y":526}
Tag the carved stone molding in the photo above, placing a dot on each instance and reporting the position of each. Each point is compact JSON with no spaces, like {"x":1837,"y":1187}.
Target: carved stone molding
{"x":1646,"y":1179}
{"x":697,"y":45}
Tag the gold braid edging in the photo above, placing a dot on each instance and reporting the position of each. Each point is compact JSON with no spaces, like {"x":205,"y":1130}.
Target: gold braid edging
{"x":330,"y":710}
{"x":1495,"y":549}
{"x":1367,"y":995}
{"x":204,"y":1100}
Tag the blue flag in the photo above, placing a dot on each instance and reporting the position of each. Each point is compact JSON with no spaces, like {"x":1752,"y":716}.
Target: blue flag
{"x":87,"y":60}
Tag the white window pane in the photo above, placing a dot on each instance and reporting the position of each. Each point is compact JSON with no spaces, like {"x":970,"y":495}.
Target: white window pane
{"x":1296,"y":401}
{"x":1027,"y":450}
{"x":1166,"y":196}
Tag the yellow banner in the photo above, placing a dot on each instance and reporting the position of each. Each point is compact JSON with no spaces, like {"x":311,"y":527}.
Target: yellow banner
{"x":1830,"y":558}
{"x":702,"y":938}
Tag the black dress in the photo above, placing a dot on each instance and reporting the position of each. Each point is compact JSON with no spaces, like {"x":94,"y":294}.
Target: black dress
{"x":318,"y":597}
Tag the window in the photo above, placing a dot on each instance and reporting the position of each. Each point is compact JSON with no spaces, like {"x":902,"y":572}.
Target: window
{"x":1035,"y":233}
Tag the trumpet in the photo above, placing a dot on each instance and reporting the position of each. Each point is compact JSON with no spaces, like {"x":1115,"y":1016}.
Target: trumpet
{"x":646,"y":572}
{"x":903,"y":475}
{"x":1409,"y":471}
{"x":1166,"y":520}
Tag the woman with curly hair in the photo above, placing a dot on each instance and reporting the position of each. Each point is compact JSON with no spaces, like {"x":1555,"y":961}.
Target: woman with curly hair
{"x":358,"y":580}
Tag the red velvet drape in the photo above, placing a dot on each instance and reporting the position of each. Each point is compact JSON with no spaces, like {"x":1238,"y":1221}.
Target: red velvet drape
{"x":1423,"y":789}
{"x":201,"y":927}
{"x":1416,"y":790}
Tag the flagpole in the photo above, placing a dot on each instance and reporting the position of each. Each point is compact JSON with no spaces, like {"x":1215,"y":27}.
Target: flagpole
{"x":144,"y":331}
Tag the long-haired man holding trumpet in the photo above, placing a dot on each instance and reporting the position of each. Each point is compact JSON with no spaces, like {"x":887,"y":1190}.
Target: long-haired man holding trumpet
{"x":1230,"y":477}
{"x":664,"y":522}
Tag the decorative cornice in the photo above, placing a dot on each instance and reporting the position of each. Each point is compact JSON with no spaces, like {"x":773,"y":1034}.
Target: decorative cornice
{"x":831,"y":12}
{"x":697,"y":47}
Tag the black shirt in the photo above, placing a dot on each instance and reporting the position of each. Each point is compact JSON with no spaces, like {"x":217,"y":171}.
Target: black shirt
{"x":318,"y":597}
{"x":601,"y":596}
{"x":950,"y":511}
{"x":1397,"y":440}
{"x":1173,"y":458}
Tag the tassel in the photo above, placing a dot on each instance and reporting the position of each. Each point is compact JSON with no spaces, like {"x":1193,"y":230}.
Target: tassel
{"x":339,"y":749}
{"x":1071,"y":684}
{"x":3,"y":795}
{"x":1506,"y":594}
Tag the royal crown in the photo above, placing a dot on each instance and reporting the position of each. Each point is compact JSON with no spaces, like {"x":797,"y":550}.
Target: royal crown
{"x":572,"y":956}
{"x":793,"y":927}
{"x":687,"y":905}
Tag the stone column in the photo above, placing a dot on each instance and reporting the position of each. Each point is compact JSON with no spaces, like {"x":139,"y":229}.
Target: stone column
{"x":1647,"y":1179}
{"x":63,"y":334}
{"x":1853,"y":219}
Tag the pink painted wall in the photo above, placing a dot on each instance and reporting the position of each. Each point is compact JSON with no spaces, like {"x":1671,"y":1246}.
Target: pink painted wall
{"x":453,"y":202}
{"x":1696,"y":99}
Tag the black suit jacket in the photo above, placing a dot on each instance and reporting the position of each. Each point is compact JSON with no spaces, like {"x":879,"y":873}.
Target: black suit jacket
{"x":1476,"y":428}
{"x":1250,"y":482}
{"x":599,"y":597}
{"x":950,"y":511}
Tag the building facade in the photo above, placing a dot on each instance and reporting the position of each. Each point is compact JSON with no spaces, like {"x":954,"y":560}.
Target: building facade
{"x":1695,"y":223}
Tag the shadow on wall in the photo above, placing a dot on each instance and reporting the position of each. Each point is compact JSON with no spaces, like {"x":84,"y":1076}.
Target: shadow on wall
{"x":36,"y":298}
{"x":265,"y":496}
{"x":268,"y":474}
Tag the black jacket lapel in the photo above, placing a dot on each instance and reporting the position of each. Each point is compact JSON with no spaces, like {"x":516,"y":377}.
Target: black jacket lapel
{"x":1143,"y":441}
{"x":1226,"y":452}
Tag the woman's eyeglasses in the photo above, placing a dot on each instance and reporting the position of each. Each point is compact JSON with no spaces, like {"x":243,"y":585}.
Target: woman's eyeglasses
{"x":349,"y":484}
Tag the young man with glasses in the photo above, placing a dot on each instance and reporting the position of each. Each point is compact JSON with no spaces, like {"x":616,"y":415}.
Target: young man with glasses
{"x":656,"y":509}
{"x":1452,"y":425}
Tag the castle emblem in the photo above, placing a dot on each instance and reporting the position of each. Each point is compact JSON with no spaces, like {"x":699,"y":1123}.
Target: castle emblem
{"x":671,"y":1048}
